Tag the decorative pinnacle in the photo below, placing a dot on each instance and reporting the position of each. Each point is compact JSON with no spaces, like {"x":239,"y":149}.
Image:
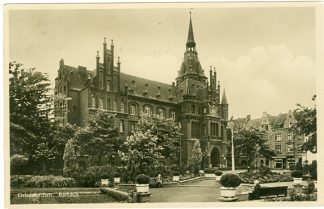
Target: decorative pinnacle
{"x":118,"y":59}
{"x":112,"y":42}
{"x":105,"y":40}
{"x":210,"y":68}
{"x":97,"y":54}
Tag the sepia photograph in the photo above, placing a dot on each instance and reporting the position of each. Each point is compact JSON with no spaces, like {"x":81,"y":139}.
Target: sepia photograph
{"x":133,"y":105}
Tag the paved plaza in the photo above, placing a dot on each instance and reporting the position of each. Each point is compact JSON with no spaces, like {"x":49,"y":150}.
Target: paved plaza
{"x":203,"y":191}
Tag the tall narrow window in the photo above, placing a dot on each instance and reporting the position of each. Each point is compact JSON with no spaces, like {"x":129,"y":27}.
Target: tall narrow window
{"x":100,"y":103}
{"x":122,"y":108}
{"x":289,"y":137}
{"x":93,"y":101}
{"x":173,"y":115}
{"x":115,"y":105}
{"x":108,"y":86}
{"x":108,"y":104}
{"x":121,"y":126}
{"x":133,"y":109}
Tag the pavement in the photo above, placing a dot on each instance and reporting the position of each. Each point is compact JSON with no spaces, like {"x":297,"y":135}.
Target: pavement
{"x":203,"y":191}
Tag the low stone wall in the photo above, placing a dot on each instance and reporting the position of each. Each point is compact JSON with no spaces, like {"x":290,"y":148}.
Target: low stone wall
{"x":127,"y":187}
{"x":171,"y":184}
{"x":117,"y":194}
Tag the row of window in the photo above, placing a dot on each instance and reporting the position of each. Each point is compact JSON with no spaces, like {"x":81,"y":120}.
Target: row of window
{"x":278,"y":137}
{"x":290,"y":148}
{"x":147,"y":109}
{"x":62,"y":105}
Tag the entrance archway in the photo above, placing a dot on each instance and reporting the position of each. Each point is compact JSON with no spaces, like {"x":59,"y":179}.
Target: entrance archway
{"x":215,"y":157}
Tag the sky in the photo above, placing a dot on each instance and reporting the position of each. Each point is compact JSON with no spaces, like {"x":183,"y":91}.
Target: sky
{"x":264,"y":56}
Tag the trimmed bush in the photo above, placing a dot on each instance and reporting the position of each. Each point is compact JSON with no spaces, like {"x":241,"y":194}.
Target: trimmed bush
{"x":230,"y":180}
{"x":142,"y":179}
{"x":116,"y":175}
{"x":104,"y":176}
{"x":297,"y":174}
{"x":218,"y":173}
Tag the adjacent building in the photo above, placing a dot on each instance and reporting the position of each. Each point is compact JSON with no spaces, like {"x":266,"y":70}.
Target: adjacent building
{"x":193,"y":99}
{"x":280,"y":138}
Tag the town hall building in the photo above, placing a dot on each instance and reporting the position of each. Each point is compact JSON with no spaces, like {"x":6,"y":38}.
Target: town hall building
{"x":193,"y":99}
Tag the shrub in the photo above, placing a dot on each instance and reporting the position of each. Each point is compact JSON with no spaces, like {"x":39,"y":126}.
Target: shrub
{"x":264,"y":170}
{"x":42,"y":181}
{"x":297,"y":174}
{"x":104,"y":176}
{"x":230,"y":180}
{"x":218,"y":173}
{"x":142,"y":179}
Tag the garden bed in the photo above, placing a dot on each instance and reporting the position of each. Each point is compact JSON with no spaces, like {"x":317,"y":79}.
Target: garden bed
{"x":264,"y":175}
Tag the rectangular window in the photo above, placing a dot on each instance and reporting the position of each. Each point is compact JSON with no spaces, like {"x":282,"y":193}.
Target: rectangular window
{"x":290,"y":148}
{"x":289,"y":137}
{"x":173,"y":116}
{"x":121,"y":126}
{"x":133,"y":110}
{"x":278,"y":148}
{"x":278,"y":137}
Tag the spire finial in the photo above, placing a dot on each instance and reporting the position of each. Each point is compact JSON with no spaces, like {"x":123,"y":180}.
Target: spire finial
{"x":97,"y":54}
{"x":112,"y":42}
{"x":105,"y":40}
{"x":118,"y":59}
{"x":190,"y":40}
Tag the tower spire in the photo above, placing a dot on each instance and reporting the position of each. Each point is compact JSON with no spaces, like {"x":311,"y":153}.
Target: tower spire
{"x":224,"y":100}
{"x":190,"y":40}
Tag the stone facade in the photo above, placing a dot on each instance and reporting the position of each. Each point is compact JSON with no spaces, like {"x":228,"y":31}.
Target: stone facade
{"x":281,"y":139}
{"x":193,"y":100}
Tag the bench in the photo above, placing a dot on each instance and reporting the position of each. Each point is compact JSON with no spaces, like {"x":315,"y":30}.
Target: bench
{"x":266,"y":192}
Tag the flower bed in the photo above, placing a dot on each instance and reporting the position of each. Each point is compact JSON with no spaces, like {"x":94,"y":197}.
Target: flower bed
{"x":270,"y":177}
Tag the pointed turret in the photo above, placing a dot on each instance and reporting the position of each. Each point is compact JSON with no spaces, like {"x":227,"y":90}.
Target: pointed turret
{"x":224,"y":100}
{"x":190,"y":41}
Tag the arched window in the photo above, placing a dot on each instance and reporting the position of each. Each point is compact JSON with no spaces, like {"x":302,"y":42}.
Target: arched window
{"x":161,"y":112}
{"x":122,"y":107}
{"x":147,"y":110}
{"x":64,"y":89}
{"x":216,"y":129}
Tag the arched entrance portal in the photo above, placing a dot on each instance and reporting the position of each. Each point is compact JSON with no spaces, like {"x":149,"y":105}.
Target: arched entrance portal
{"x":215,"y":157}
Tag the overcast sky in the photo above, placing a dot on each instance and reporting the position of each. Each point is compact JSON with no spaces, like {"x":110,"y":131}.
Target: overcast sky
{"x":264,"y":57}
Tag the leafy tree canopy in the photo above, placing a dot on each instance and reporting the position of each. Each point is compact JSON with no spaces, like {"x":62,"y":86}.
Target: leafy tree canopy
{"x":100,"y":138}
{"x":306,"y":126}
{"x":253,"y":142}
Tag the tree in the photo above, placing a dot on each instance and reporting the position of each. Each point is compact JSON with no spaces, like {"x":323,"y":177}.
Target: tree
{"x":252,"y":142}
{"x":142,"y":148}
{"x":306,"y":126}
{"x":100,"y":138}
{"x":168,"y":134}
{"x":69,"y":157}
{"x":30,"y":108}
{"x":196,"y":157}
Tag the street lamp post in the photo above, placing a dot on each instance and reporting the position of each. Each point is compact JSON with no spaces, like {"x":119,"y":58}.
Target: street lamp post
{"x":231,"y":126}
